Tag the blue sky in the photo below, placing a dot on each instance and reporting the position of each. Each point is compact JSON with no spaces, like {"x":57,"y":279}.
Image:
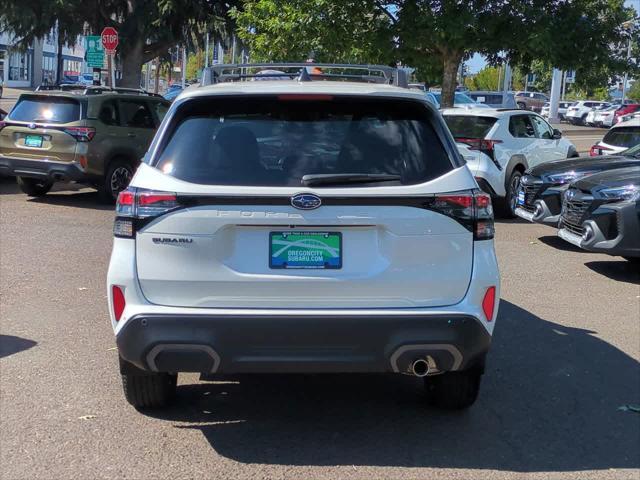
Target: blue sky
{"x":477,"y":62}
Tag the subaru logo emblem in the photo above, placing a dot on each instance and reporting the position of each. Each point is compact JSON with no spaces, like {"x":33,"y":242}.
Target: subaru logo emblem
{"x":306,"y":201}
{"x":32,"y":126}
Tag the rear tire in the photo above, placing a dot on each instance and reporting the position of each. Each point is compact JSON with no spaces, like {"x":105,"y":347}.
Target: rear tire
{"x":509,"y":202}
{"x":149,"y":390}
{"x":453,"y":390}
{"x":34,"y":187}
{"x":117,"y":178}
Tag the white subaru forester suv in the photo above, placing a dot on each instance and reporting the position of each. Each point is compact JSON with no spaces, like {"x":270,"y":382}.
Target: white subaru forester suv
{"x":303,"y":226}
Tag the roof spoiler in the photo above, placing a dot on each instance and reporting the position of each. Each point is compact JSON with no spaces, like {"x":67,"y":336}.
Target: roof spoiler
{"x":304,"y":72}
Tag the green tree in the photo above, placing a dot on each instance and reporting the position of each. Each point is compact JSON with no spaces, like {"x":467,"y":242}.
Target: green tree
{"x":634,"y":91}
{"x":328,"y":30}
{"x":146,"y":28}
{"x":30,"y":20}
{"x":434,"y":36}
{"x":485,"y":79}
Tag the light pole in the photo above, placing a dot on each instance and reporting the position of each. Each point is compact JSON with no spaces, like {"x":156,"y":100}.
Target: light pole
{"x":628,"y":25}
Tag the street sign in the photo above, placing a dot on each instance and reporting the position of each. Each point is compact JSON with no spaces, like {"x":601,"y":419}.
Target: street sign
{"x":531,"y":79}
{"x":95,"y":52}
{"x":110,"y":40}
{"x":570,"y":76}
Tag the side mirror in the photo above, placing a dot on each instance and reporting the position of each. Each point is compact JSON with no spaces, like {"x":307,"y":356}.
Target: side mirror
{"x":557,"y":134}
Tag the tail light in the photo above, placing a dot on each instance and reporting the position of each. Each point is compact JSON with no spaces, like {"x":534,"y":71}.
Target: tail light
{"x":489,"y":302}
{"x":137,"y":206}
{"x":117,"y":297}
{"x":472,"y":210}
{"x":598,"y":150}
{"x":81,"y":134}
{"x":485,"y":146}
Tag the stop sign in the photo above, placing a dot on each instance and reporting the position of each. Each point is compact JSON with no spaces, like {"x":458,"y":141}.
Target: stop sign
{"x":109,"y":39}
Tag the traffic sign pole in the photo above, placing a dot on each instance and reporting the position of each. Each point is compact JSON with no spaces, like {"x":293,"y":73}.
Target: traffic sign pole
{"x":109,"y":40}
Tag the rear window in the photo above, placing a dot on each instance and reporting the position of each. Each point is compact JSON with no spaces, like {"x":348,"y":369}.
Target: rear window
{"x":488,"y":98}
{"x":271,"y":141}
{"x":46,"y":110}
{"x":623,"y":136}
{"x":469,"y":126}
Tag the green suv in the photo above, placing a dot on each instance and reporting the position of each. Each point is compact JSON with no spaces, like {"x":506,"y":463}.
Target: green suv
{"x":94,"y":135}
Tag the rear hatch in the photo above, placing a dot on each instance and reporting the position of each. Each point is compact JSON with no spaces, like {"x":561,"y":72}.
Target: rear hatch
{"x":470,"y":133}
{"x":39,"y":127}
{"x":304,"y":202}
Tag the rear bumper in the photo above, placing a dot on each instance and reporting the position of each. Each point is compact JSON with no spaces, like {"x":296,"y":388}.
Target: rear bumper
{"x":43,"y":169}
{"x":281,"y":343}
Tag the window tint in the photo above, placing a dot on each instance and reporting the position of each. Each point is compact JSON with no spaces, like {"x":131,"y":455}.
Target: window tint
{"x":109,"y":113}
{"x":46,"y":110}
{"x":542,"y":128}
{"x":263,"y":140}
{"x":520,"y":126}
{"x":136,"y":114}
{"x":623,"y":136}
{"x":469,"y":126}
{"x":487,"y":98}
{"x":161,"y":110}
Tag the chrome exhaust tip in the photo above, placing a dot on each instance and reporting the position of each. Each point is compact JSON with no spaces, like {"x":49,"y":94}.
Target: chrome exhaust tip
{"x":420,"y":367}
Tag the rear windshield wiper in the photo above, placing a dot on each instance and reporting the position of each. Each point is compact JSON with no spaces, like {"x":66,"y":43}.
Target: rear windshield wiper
{"x":343,"y":178}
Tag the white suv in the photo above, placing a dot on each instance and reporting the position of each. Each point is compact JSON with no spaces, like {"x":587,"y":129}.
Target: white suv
{"x":577,"y":113}
{"x":499,"y":145}
{"x":303,"y":226}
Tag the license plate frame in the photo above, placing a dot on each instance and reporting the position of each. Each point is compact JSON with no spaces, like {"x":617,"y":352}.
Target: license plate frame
{"x":33,"y":141}
{"x":297,"y":255}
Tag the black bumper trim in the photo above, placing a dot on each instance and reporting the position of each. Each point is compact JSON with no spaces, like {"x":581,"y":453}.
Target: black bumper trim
{"x":54,"y":171}
{"x":300,"y":344}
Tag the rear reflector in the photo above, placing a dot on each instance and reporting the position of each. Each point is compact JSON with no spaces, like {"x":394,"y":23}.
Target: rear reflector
{"x":118,"y":301}
{"x":488,"y":303}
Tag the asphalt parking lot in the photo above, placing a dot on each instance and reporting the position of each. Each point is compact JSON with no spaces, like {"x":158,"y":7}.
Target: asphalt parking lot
{"x":564,"y":364}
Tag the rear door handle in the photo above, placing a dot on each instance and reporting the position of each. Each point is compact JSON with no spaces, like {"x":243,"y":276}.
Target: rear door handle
{"x":130,"y":134}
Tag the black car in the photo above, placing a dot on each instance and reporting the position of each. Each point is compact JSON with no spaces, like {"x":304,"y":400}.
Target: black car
{"x":601,"y":213}
{"x":541,"y":188}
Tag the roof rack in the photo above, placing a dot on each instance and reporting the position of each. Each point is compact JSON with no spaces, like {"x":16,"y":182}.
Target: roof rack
{"x":93,"y":89}
{"x":304,"y":72}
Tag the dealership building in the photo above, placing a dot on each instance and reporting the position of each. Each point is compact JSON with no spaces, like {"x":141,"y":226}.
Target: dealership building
{"x":37,"y":64}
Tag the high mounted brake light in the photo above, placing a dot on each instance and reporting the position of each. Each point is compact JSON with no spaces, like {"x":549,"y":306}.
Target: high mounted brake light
{"x":134,"y":205}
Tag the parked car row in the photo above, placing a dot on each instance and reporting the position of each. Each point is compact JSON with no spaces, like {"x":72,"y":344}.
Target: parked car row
{"x":594,"y":203}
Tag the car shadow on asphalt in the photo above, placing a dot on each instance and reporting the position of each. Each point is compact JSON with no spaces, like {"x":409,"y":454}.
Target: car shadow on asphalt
{"x":62,"y":193}
{"x":10,"y":344}
{"x":556,"y":242}
{"x":549,"y":402}
{"x":89,"y":200}
{"x":619,"y":270}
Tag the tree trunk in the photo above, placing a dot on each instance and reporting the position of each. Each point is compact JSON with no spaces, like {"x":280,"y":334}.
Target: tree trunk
{"x":451,"y":62}
{"x":59,"y":59}
{"x":132,"y":61}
